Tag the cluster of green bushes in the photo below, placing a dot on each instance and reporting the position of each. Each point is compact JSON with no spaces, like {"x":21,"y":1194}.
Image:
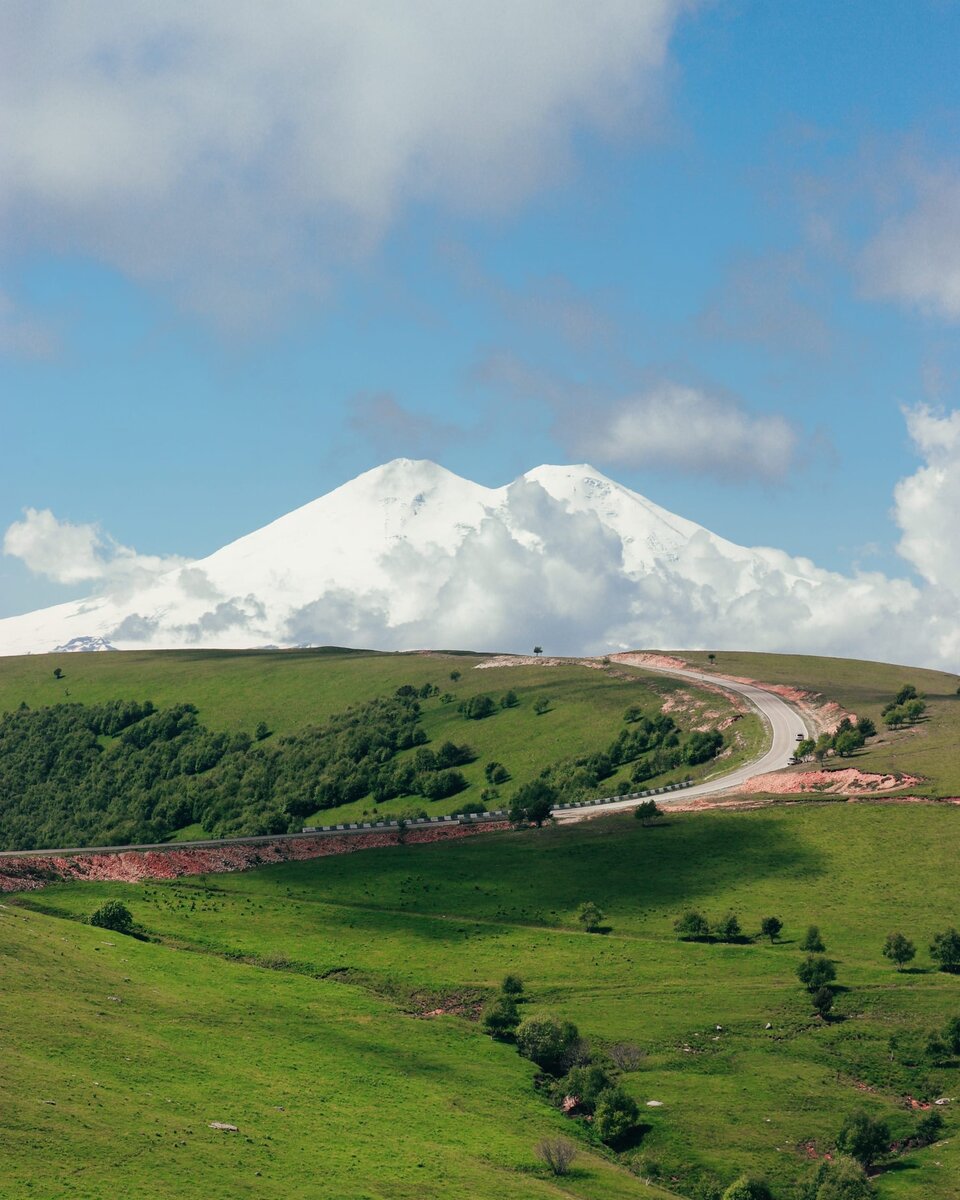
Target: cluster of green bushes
{"x":846,"y":738}
{"x":571,"y":1078}
{"x":906,"y":708}
{"x":124,"y":771}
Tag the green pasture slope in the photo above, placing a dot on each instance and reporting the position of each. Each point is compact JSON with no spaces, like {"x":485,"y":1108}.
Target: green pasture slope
{"x":367,"y":1091}
{"x":235,"y":690}
{"x":930,"y":749}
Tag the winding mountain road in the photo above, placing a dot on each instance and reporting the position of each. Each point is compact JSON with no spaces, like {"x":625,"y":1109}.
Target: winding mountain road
{"x":782,"y":720}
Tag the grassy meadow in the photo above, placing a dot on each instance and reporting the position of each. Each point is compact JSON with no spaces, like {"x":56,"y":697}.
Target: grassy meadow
{"x":929,"y":748}
{"x":291,"y":690}
{"x":351,"y":943}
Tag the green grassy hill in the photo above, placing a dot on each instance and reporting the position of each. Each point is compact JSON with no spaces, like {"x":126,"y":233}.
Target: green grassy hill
{"x":292,"y":690}
{"x":342,"y":1092}
{"x":929,"y":749}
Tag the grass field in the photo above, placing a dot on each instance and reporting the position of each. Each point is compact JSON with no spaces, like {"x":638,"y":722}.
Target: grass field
{"x":445,"y":918}
{"x":930,"y":748}
{"x":293,"y":689}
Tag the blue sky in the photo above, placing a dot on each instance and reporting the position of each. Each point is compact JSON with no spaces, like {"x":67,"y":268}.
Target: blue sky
{"x":214,"y":308}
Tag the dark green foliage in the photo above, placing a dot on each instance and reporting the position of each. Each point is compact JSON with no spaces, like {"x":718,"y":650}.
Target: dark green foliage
{"x":945,"y":950}
{"x":615,"y":1115}
{"x":541,"y":705}
{"x":632,"y":713}
{"x":863,"y":1137}
{"x":843,"y":1179}
{"x":906,"y":692}
{"x":114,"y":915}
{"x":823,"y":1001}
{"x":647,"y":811}
{"x":471,"y":806}
{"x":929,"y":1128}
{"x":454,"y":676}
{"x":262,"y":731}
{"x":812,"y":941}
{"x":495,"y":773}
{"x":500,"y":1017}
{"x":815,"y":971}
{"x":509,"y":699}
{"x":728,"y":929}
{"x":748,"y":1187}
{"x":805,"y":748}
{"x":936,"y":1049}
{"x":589,"y":916}
{"x":847,"y":742}
{"x":58,"y":672}
{"x":533,"y":803}
{"x":866,"y":726}
{"x":512,"y":985}
{"x":700,"y":747}
{"x":123,"y":772}
{"x":584,"y":1084}
{"x":952,"y":1035}
{"x":551,"y":1044}
{"x":477,"y":708}
{"x":899,"y":949}
{"x":770,"y":927}
{"x":692,"y":926}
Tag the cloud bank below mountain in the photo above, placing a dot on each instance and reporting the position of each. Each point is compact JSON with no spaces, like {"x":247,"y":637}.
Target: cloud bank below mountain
{"x":410,"y":556}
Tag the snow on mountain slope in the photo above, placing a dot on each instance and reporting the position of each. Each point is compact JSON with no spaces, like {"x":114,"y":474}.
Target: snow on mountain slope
{"x":409,"y":555}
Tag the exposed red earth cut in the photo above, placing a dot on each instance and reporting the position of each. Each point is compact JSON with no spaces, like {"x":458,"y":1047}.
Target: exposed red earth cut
{"x":132,"y":866}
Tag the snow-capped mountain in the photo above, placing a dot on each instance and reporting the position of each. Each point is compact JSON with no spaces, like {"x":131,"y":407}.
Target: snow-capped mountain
{"x":410,"y":555}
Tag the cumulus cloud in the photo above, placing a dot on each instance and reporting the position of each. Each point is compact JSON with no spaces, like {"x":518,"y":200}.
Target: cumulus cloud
{"x":69,"y":553}
{"x":689,"y":429}
{"x":565,"y":558}
{"x":233,"y":151}
{"x":914,"y":258}
{"x":927,"y":503}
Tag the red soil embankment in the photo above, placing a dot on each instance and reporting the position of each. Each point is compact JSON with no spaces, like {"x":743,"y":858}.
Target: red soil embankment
{"x":131,"y":866}
{"x":846,"y":781}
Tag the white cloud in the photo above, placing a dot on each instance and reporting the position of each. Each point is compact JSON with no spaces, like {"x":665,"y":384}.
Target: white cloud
{"x":69,"y":553}
{"x":927,"y":503}
{"x":687,"y":429}
{"x":914,"y":258}
{"x":234,"y":150}
{"x":519,"y":566}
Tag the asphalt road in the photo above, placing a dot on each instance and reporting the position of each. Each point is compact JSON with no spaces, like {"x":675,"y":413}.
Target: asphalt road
{"x":782,"y":719}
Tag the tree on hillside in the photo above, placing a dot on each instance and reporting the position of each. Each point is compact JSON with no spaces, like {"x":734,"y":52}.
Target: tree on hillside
{"x":906,"y":692}
{"x":711,"y":659}
{"x":616,"y":1113}
{"x":843,"y":1179}
{"x":113,"y":915}
{"x":533,"y":803}
{"x":541,"y":705}
{"x":538,"y":650}
{"x":847,"y":742}
{"x":815,"y":971}
{"x":509,"y":699}
{"x":770,"y":927}
{"x":812,"y":941}
{"x":692,"y":926}
{"x":823,"y":1002}
{"x":952,"y":1034}
{"x":58,"y":672}
{"x":551,"y":1044}
{"x":590,"y":916}
{"x":899,"y":949}
{"x":728,"y":929}
{"x":500,"y":1017}
{"x":945,"y":950}
{"x":866,"y":727}
{"x":647,"y":811}
{"x":512,"y":985}
{"x":454,"y":676}
{"x":863,"y":1137}
{"x":262,"y":731}
{"x":929,"y":1128}
{"x":557,"y":1154}
{"x":822,"y":747}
